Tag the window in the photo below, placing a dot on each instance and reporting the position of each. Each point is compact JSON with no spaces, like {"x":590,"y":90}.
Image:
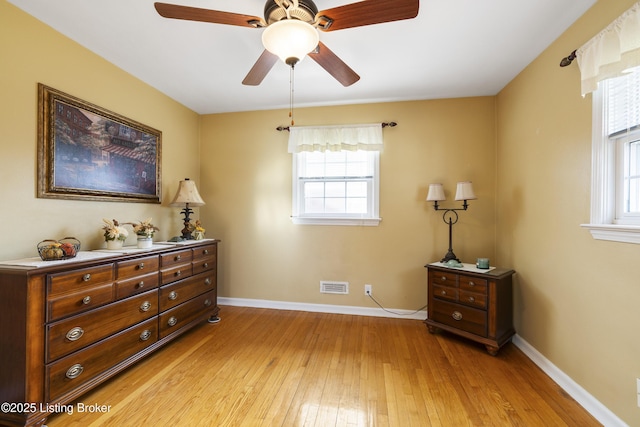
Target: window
{"x":336,"y":174}
{"x":336,"y":187}
{"x":615,"y":198}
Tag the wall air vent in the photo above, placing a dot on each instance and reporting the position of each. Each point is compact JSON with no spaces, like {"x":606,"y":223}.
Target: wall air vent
{"x":334,"y":287}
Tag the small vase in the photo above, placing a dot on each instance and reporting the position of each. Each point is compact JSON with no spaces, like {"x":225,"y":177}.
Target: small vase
{"x":198,"y":235}
{"x":145,"y":242}
{"x":114,"y":244}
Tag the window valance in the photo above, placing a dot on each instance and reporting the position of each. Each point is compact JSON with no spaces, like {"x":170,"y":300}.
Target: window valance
{"x":613,"y":50}
{"x":367,"y":137}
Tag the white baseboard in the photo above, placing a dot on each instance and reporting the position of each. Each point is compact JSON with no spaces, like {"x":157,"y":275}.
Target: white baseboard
{"x":587,"y":401}
{"x":323,"y":308}
{"x":573,"y":389}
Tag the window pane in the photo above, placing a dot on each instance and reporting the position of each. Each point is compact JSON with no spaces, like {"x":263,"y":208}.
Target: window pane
{"x":357,"y":205}
{"x":632,"y":178}
{"x":335,"y":205}
{"x":314,"y":189}
{"x":314,"y":205}
{"x":357,"y":189}
{"x":335,"y":189}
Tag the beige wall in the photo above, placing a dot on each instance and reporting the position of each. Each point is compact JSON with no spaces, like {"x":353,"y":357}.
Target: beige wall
{"x":31,"y":52}
{"x":246,"y":180}
{"x":576,"y":298}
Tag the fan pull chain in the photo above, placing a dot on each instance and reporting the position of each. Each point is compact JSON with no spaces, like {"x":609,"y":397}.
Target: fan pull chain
{"x":291,"y":75}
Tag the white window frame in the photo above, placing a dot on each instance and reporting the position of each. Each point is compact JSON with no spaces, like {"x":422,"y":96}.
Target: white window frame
{"x":371,"y":218}
{"x":606,"y":223}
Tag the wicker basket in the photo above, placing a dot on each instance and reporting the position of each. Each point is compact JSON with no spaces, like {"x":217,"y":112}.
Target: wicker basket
{"x":54,"y":250}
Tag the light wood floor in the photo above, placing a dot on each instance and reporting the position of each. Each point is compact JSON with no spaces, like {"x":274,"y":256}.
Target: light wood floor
{"x":261,"y":367}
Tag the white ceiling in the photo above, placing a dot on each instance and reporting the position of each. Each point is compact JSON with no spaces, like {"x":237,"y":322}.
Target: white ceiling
{"x":454,"y":48}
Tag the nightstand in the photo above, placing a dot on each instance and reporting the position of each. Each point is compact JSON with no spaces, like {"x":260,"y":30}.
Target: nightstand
{"x":472,"y":303}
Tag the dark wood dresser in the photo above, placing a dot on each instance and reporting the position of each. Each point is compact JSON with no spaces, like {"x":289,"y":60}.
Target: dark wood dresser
{"x":475,"y":305}
{"x":67,"y":326}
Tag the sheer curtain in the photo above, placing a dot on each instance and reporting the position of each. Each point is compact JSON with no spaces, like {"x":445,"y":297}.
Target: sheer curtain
{"x":366,"y":137}
{"x":612,"y":51}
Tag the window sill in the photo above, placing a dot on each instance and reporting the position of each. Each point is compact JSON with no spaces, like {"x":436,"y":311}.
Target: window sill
{"x":614,"y":233}
{"x":372,"y":222}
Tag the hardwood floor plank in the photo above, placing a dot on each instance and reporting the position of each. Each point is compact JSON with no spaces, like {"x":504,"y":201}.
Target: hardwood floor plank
{"x":261,"y":367}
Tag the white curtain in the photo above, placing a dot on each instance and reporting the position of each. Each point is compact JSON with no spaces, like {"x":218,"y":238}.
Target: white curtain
{"x":366,"y":137}
{"x":613,"y":50}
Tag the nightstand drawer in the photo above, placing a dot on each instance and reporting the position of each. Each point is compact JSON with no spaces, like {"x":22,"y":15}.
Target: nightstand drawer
{"x":472,"y":299}
{"x":445,"y":292}
{"x":461,"y":317}
{"x":444,"y":278}
{"x":473,"y":284}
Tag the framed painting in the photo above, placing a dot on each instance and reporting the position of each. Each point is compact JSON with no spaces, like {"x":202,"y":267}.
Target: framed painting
{"x":88,"y":153}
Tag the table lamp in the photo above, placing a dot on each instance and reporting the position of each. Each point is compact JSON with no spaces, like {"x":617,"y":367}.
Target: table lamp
{"x":187,"y":196}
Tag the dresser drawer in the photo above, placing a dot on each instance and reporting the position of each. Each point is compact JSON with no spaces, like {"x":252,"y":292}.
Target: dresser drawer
{"x":206,"y":264}
{"x":69,"y":335}
{"x":80,"y":301}
{"x":445,"y":292}
{"x":461,"y":317}
{"x":473,"y":284}
{"x":135,"y":285}
{"x":174,"y":319}
{"x":443,"y":278}
{"x":208,"y":251}
{"x":72,"y":371}
{"x":179,"y":292}
{"x":174,"y":258}
{"x":176,"y":272}
{"x":137,"y":267}
{"x":73,"y":280}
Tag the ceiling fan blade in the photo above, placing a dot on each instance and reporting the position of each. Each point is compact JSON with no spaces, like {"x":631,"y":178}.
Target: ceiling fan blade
{"x":206,"y":15}
{"x":260,"y":69}
{"x":334,"y":65}
{"x":368,"y":12}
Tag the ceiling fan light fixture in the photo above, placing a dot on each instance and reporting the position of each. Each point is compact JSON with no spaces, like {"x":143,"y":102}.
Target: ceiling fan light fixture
{"x":290,"y":40}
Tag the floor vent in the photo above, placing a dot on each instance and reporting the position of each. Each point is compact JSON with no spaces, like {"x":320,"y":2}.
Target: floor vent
{"x":334,"y":287}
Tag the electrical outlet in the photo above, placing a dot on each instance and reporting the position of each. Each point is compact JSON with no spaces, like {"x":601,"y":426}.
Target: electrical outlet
{"x":367,"y":290}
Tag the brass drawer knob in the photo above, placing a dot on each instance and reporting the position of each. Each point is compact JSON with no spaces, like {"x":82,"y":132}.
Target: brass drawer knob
{"x":457,"y":315}
{"x":207,"y":281}
{"x":206,"y":252}
{"x":173,"y":295}
{"x":145,"y":306}
{"x":86,"y":300}
{"x":172,"y":321}
{"x":205,"y":265}
{"x":141,"y":266}
{"x":86,"y":277}
{"x":145,"y":335}
{"x":177,"y":258}
{"x":472,"y":299}
{"x":471,"y":283}
{"x":74,"y":371}
{"x":443,"y":292}
{"x":443,"y":278}
{"x":207,"y":302}
{"x":140,"y":284}
{"x":75,"y":334}
{"x":178,"y":273}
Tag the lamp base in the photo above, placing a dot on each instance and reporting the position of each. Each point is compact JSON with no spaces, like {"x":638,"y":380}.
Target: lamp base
{"x":450,"y":256}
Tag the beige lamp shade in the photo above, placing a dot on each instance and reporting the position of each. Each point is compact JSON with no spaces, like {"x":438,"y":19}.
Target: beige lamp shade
{"x":187,"y":193}
{"x":436,"y":193}
{"x":464,"y":191}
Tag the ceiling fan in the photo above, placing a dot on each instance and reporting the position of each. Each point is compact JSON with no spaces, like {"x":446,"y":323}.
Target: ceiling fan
{"x":296,"y":22}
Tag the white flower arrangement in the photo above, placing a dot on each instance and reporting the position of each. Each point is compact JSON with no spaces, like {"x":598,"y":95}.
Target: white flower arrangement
{"x":114,"y":231}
